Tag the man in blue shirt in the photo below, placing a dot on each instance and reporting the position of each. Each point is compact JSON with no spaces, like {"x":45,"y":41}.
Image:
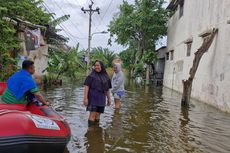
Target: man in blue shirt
{"x":21,"y":84}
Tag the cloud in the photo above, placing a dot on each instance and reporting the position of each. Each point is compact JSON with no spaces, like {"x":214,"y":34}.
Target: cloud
{"x":76,"y":28}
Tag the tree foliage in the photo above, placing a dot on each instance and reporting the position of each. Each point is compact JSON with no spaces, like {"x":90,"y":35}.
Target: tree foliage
{"x":64,"y":63}
{"x":127,"y":56}
{"x":33,"y":12}
{"x":103,"y":54}
{"x":139,"y":26}
{"x":52,"y":37}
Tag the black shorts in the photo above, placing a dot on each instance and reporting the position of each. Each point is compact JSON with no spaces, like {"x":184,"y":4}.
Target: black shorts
{"x":98,"y":109}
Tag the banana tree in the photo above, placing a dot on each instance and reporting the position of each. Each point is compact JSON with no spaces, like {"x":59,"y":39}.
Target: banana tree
{"x":66,"y":63}
{"x":103,"y":54}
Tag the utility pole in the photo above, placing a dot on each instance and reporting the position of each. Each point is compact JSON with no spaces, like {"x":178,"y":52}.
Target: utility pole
{"x":90,"y":11}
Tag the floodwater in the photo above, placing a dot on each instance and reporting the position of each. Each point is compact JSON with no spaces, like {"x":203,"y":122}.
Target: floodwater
{"x":150,"y":121}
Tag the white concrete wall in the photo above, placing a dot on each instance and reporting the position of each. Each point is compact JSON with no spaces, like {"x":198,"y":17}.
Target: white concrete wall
{"x":212,"y":80}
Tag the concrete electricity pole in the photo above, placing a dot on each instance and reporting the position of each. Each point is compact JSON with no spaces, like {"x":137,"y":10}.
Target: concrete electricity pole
{"x":90,"y":11}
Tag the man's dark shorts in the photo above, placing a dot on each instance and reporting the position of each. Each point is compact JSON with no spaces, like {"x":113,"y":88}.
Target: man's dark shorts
{"x":98,"y":109}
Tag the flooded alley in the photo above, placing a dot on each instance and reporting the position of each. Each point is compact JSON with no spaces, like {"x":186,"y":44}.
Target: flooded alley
{"x":151,"y":120}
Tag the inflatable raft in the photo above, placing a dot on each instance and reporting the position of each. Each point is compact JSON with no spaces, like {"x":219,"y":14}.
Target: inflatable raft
{"x":32,"y":129}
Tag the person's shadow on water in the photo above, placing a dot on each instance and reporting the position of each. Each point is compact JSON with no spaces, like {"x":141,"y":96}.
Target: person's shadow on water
{"x":95,"y":142}
{"x":114,"y":134}
{"x":115,"y":131}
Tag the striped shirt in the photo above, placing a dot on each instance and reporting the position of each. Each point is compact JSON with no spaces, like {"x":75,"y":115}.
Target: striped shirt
{"x":9,"y":98}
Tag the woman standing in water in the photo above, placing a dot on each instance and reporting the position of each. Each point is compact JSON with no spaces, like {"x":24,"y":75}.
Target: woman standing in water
{"x":118,"y":85}
{"x":97,"y":86}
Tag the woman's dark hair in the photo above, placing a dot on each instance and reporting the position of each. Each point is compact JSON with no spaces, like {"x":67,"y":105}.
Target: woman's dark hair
{"x":101,"y":79}
{"x":103,"y":69}
{"x":26,"y":64}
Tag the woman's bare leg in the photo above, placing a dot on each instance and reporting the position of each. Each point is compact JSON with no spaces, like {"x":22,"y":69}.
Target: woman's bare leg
{"x":97,"y":120}
{"x":98,"y":116}
{"x":117,"y":103}
{"x":92,"y":116}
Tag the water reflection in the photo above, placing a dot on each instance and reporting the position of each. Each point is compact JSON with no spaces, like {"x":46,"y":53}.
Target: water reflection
{"x":146,"y":89}
{"x":115,"y":131}
{"x":184,"y":129}
{"x":95,"y":140}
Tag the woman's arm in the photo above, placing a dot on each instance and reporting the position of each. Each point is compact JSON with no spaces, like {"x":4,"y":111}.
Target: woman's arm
{"x":108,"y":98}
{"x":86,"y":92}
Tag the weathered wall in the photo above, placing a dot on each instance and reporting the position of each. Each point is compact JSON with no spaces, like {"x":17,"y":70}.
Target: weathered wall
{"x":39,"y":56}
{"x":212,"y":81}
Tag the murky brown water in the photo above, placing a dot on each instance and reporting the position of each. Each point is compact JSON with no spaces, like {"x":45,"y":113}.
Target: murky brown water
{"x":150,"y":121}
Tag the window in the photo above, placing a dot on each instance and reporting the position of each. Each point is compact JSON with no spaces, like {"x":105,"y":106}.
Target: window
{"x":167,"y":56}
{"x":189,"y":47}
{"x":172,"y":55}
{"x":181,"y":13}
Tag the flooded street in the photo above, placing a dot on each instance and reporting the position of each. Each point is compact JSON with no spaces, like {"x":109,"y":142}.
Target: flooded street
{"x":150,"y":121}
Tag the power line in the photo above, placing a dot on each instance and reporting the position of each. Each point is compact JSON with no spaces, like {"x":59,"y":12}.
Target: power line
{"x":104,"y":14}
{"x":90,"y":11}
{"x":96,"y":24}
{"x":76,"y":37}
{"x":71,"y":33}
{"x":74,"y":3}
{"x":67,"y":33}
{"x":69,"y":19}
{"x":74,"y":9}
{"x":63,"y":27}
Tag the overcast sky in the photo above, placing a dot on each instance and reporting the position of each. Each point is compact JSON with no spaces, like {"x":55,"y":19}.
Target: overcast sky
{"x":76,"y":28}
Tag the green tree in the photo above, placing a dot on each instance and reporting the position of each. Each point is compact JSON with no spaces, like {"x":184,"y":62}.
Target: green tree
{"x":140,"y":26}
{"x":103,"y":54}
{"x":52,"y":37}
{"x":69,"y":64}
{"x":127,"y":57}
{"x":27,"y":10}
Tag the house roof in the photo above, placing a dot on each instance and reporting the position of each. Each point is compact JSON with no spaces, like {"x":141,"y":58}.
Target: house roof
{"x":161,"y":52}
{"x":163,"y":47}
{"x":28,"y":24}
{"x":17,"y":21}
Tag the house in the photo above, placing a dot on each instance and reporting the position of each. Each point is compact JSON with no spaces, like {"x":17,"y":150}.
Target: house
{"x":33,"y":44}
{"x":159,"y":66}
{"x":188,"y":27}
